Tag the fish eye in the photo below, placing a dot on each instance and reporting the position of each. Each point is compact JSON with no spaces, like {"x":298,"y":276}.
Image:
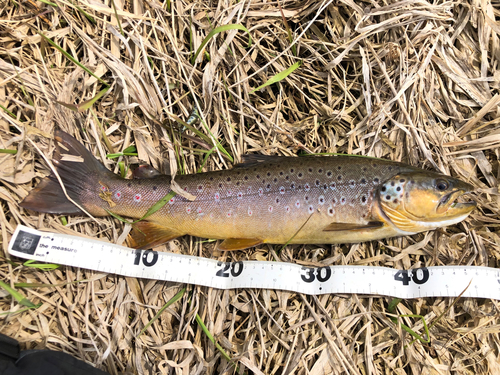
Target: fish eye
{"x":442,"y":185}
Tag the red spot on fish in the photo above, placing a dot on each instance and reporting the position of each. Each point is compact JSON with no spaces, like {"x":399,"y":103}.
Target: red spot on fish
{"x":188,"y":210}
{"x":240,"y":195}
{"x":172,"y":200}
{"x":217,"y":197}
{"x":287,"y":209}
{"x":270,"y":208}
{"x":228,"y":214}
{"x":282,"y":190}
{"x":249,"y":212}
{"x":261,"y":192}
{"x":137,"y":197}
{"x":199,"y":210}
{"x":118,"y":195}
{"x":307,"y":187}
{"x":104,"y":188}
{"x":310,"y":209}
{"x":200,"y":188}
{"x":297,"y":204}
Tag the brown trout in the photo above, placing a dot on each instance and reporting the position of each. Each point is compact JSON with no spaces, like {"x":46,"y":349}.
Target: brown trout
{"x":306,"y":200}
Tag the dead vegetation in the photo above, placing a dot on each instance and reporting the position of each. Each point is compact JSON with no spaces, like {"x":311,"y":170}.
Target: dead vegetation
{"x":412,"y":81}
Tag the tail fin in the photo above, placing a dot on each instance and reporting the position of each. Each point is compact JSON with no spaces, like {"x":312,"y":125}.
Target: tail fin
{"x":80,"y":173}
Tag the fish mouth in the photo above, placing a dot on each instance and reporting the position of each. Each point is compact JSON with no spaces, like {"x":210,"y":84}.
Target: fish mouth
{"x":456,"y":203}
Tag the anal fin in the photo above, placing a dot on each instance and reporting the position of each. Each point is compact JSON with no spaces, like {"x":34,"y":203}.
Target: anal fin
{"x":231,"y":244}
{"x":338,"y":227}
{"x":146,"y":235}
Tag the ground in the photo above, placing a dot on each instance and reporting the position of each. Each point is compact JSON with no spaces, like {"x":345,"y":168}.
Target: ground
{"x":410,"y":81}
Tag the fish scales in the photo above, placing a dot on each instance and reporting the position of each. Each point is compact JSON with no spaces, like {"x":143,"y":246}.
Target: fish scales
{"x":275,"y":200}
{"x":271,"y":200}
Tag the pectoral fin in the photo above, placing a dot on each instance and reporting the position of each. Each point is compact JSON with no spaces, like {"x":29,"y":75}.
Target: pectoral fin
{"x":146,"y":235}
{"x":338,"y":227}
{"x":231,"y":244}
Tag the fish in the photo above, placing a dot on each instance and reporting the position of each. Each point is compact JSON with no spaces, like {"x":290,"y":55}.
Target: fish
{"x":264,"y":199}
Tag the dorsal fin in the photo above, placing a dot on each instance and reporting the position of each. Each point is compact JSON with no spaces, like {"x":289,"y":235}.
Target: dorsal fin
{"x":255,"y":159}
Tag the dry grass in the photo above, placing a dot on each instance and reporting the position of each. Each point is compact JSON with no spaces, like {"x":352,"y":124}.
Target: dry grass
{"x":413,"y":81}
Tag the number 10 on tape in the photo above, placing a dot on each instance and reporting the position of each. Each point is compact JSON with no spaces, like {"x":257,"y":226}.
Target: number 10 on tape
{"x":443,"y":281}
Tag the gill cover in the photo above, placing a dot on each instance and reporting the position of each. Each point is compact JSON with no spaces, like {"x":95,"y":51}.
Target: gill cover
{"x":419,"y":201}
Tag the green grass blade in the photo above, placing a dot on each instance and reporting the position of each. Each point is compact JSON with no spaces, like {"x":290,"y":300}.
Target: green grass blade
{"x":68,"y":56}
{"x":18,"y":296}
{"x":218,"y":30}
{"x":88,"y":103}
{"x":7,"y":151}
{"x":169,"y":303}
{"x":280,"y":76}
{"x":158,"y":205}
{"x":211,"y":338}
{"x":49,"y":3}
{"x":41,"y":266}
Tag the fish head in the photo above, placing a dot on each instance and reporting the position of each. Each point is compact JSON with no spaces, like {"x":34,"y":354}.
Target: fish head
{"x":419,"y":201}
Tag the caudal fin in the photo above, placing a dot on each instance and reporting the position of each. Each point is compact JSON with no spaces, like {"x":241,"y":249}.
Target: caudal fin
{"x":80,"y":173}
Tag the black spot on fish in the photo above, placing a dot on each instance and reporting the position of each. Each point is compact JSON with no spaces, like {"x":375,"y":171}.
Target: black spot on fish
{"x":329,"y":174}
{"x":238,"y":183}
{"x":395,"y":201}
{"x":287,"y":177}
{"x":318,"y":182}
{"x":155,"y":187}
{"x":129,"y":184}
{"x":352,"y":183}
{"x":365,"y":169}
{"x":238,"y":173}
{"x":388,"y":197}
{"x":300,"y":174}
{"x":383,"y":189}
{"x":363,"y":181}
{"x":258,"y":176}
{"x":390,"y":168}
{"x":330,"y":211}
{"x":246,"y":178}
{"x":281,"y":173}
{"x":220,"y":185}
{"x":320,"y":170}
{"x":339,"y":168}
{"x":263,"y":181}
{"x":342,"y":200}
{"x":398,"y":188}
{"x":228,"y":179}
{"x":268,"y":186}
{"x":392,"y":183}
{"x":363,"y":199}
{"x":275,"y":180}
{"x":310,"y":170}
{"x":325,"y":186}
{"x":334,"y":201}
{"x":211,"y":178}
{"x":306,"y":197}
{"x":292,"y":170}
{"x":277,"y":200}
{"x":268,"y":174}
{"x":339,"y":178}
{"x":376,"y":180}
{"x":292,"y":186}
{"x":402,"y":180}
{"x":374,"y":165}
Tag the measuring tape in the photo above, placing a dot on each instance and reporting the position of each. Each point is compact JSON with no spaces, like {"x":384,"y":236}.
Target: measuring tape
{"x":446,"y":281}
